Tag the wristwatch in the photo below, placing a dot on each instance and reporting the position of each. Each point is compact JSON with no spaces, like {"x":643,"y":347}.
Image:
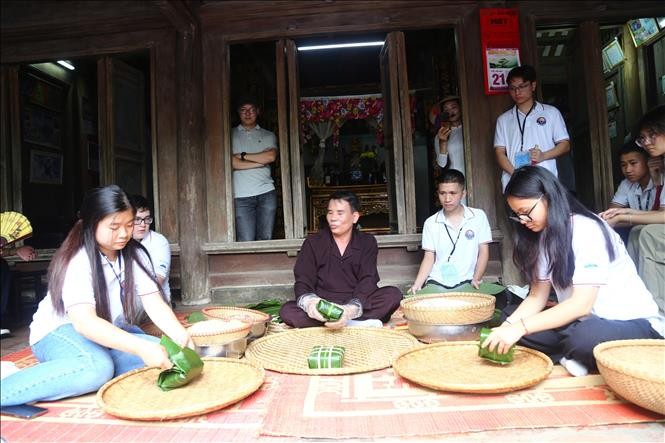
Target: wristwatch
{"x":242,"y":155}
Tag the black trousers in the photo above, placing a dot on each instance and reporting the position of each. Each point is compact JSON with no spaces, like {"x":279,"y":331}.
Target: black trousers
{"x":577,"y":339}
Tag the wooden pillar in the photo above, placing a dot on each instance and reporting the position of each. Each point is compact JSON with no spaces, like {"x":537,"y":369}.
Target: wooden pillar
{"x":10,"y":148}
{"x":601,"y":150}
{"x":190,"y":169}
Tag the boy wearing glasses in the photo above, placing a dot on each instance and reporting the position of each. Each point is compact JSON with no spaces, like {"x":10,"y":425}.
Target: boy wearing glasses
{"x":254,"y":195}
{"x":646,"y":242}
{"x":157,"y":245}
{"x":529,"y":133}
{"x":455,"y":239}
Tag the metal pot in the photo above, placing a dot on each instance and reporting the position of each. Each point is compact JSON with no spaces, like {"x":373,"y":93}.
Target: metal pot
{"x":233,"y":349}
{"x":436,"y":333}
{"x":258,"y":330}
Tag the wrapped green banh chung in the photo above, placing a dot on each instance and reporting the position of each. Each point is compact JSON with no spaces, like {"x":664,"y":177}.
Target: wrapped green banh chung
{"x":493,"y":356}
{"x":326,"y":357}
{"x":187,"y":365}
{"x":329,"y":311}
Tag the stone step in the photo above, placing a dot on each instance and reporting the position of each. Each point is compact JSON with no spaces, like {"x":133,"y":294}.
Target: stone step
{"x":254,"y":286}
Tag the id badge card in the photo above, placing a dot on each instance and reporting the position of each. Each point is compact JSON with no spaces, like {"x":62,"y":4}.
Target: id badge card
{"x":449,"y":274}
{"x":522,"y":158}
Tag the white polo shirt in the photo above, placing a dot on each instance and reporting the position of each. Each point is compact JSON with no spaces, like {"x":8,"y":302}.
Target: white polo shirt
{"x":474,"y":231}
{"x":160,"y":254}
{"x":631,"y":195}
{"x":255,"y":181}
{"x":77,"y":289}
{"x":544,"y":127}
{"x":621,"y":294}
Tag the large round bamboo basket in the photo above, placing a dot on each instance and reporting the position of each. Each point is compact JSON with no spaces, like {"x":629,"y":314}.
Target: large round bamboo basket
{"x":634,"y":369}
{"x":451,"y":308}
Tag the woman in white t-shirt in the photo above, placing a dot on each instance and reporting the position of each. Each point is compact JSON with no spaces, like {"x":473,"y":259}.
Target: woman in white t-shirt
{"x":562,"y":245}
{"x":84,"y":332}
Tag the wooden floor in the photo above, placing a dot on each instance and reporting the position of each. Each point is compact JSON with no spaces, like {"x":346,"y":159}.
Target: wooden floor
{"x":645,"y":432}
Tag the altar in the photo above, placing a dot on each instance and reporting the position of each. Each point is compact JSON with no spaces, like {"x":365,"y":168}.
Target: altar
{"x":374,"y":209}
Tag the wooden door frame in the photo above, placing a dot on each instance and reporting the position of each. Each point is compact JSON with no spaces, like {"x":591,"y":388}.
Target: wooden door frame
{"x":161,"y":46}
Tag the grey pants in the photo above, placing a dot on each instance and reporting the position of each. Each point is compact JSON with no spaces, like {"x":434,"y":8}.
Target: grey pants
{"x":646,"y":246}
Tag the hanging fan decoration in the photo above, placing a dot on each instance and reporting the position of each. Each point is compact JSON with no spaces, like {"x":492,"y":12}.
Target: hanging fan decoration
{"x":13,"y":227}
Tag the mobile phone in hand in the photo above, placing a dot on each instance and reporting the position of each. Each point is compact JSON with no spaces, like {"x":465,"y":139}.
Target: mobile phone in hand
{"x":23,"y":411}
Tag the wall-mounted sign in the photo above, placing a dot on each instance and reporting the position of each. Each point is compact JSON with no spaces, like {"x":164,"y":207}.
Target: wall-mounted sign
{"x":500,"y":39}
{"x":642,"y":30}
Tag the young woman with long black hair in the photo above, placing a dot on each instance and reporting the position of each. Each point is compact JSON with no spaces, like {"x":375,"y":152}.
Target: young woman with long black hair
{"x":84,"y":332}
{"x":561,"y":244}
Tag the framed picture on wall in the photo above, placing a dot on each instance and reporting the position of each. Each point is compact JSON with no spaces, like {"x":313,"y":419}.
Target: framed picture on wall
{"x":612,"y":55}
{"x":642,"y":30}
{"x":45,"y":167}
{"x":42,"y":126}
{"x":611,"y":96}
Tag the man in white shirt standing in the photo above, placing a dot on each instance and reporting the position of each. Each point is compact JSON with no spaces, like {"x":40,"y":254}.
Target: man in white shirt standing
{"x":529,"y":133}
{"x":254,"y":195}
{"x":157,"y":245}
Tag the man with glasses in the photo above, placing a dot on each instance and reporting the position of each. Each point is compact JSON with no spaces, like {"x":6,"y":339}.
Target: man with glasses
{"x":529,"y":133}
{"x":157,"y":245}
{"x":255,"y":198}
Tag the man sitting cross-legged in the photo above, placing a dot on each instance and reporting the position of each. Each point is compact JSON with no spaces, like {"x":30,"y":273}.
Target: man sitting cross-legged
{"x":338,"y":264}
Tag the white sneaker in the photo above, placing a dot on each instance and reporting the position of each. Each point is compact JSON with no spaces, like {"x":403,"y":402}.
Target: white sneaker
{"x":574,"y":368}
{"x":5,"y":332}
{"x":369,"y":323}
{"x":7,"y":368}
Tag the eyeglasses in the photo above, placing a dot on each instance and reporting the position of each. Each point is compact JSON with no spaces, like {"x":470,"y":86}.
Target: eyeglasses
{"x":247,"y":110}
{"x":146,"y":220}
{"x":521,"y":87}
{"x":519,"y":218}
{"x":642,"y":140}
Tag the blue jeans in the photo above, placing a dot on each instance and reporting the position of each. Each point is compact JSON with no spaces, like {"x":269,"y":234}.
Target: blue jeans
{"x":255,"y":216}
{"x":70,"y":365}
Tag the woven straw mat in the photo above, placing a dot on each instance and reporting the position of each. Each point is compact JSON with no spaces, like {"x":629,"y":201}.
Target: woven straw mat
{"x":366,"y":349}
{"x":451,"y":308}
{"x":234,"y":312}
{"x":634,"y":369}
{"x":136,"y":396}
{"x":455,"y":366}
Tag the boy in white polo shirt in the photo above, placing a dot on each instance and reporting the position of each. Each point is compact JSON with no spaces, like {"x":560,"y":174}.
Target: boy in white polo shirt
{"x":157,"y":245}
{"x":455,"y":239}
{"x":529,"y":133}
{"x":637,"y":191}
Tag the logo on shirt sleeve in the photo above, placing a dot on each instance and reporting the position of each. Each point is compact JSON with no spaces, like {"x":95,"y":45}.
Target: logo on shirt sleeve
{"x":541,"y":121}
{"x":469,"y":234}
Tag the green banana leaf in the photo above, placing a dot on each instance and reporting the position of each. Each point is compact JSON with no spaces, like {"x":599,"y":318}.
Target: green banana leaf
{"x":270,"y":307}
{"x":485,"y":288}
{"x":195,"y":317}
{"x":187,"y":365}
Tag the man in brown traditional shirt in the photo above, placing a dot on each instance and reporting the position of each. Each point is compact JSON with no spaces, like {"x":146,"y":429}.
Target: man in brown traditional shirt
{"x":338,"y":264}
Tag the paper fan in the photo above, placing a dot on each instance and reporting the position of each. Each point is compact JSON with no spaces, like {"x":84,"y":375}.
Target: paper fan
{"x":14,"y":227}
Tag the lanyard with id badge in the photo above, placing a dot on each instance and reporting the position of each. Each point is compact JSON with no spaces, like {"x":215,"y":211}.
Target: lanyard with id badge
{"x":522,"y":158}
{"x":448,"y":269}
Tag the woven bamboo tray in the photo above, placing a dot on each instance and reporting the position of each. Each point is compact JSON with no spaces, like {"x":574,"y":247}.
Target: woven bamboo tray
{"x":135,"y":395}
{"x":634,"y":369}
{"x":367,"y":349}
{"x":456,"y":367}
{"x":151,"y":329}
{"x":252,"y":315}
{"x":450,"y":308}
{"x":217,"y":332}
